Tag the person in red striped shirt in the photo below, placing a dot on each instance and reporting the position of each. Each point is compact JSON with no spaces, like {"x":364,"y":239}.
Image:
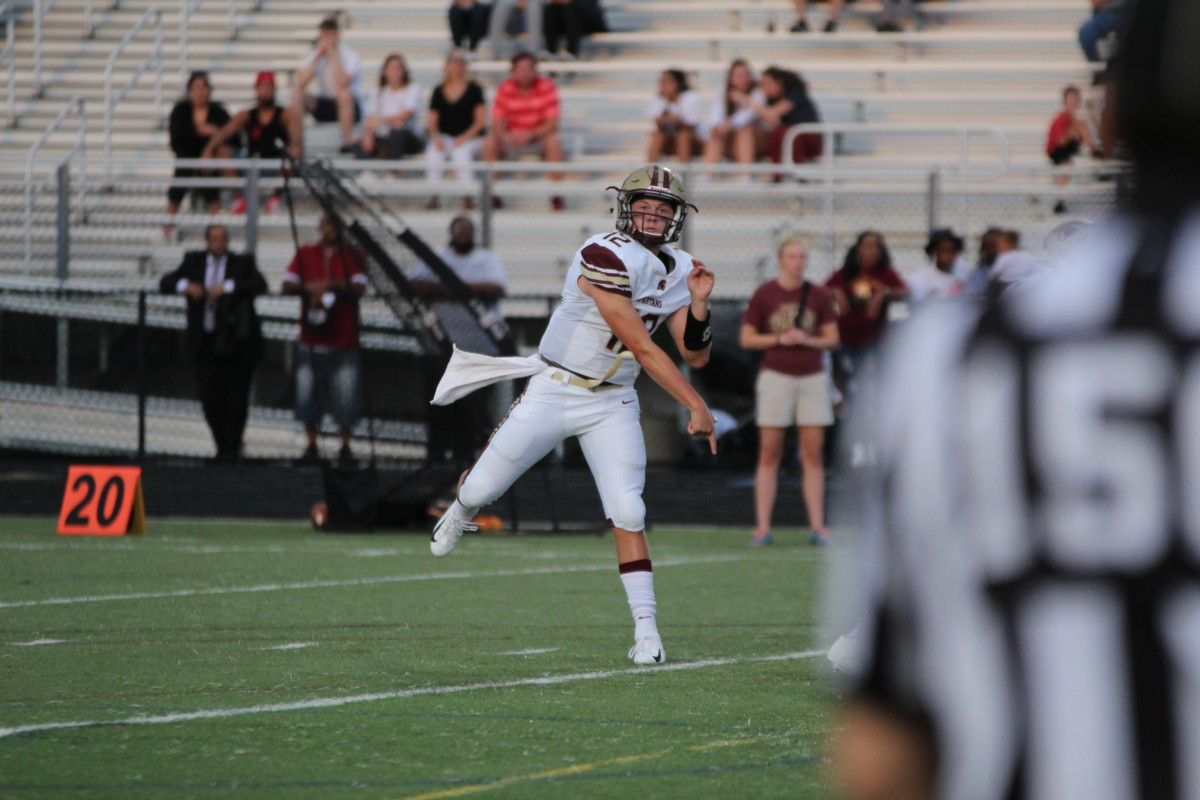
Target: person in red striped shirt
{"x":525,"y":117}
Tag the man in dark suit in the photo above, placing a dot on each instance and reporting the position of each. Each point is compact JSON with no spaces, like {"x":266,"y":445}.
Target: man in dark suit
{"x":224,"y":338}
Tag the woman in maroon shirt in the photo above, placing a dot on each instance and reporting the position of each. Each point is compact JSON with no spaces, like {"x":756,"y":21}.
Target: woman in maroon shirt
{"x":862,"y":290}
{"x":794,"y":322}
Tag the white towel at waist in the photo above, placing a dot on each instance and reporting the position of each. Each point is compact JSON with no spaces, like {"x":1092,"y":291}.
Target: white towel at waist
{"x":467,"y":372}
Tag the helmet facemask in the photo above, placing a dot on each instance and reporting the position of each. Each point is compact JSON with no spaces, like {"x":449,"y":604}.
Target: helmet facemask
{"x":625,"y":214}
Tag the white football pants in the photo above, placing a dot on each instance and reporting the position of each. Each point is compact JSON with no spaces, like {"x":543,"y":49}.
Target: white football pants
{"x":605,"y":420}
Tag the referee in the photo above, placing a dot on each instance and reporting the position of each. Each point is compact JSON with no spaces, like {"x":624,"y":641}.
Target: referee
{"x":1032,"y":612}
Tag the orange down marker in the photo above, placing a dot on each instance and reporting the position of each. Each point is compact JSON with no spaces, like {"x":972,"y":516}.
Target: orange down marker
{"x":102,"y":501}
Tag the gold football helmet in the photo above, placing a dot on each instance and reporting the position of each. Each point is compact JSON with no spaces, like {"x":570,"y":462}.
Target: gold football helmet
{"x":660,"y":183}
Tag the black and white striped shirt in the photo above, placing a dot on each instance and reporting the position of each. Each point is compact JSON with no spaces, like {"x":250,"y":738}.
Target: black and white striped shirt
{"x":1032,"y":530}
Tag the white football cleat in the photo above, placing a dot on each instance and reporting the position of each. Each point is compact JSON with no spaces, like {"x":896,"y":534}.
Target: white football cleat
{"x":648,"y":651}
{"x":449,"y":529}
{"x":846,"y":655}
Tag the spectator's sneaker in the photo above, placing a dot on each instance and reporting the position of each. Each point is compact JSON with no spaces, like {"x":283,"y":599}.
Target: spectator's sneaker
{"x":272,"y":205}
{"x":831,"y":26}
{"x":801,"y":26}
{"x":889,"y":26}
{"x":346,"y":458}
{"x":766,"y":540}
{"x":497,"y":202}
{"x":310,"y":455}
{"x":1060,"y":207}
{"x":648,"y":652}
{"x":433,"y":203}
{"x":239,"y":205}
{"x":818,"y":539}
{"x":449,"y":529}
{"x":557,"y":203}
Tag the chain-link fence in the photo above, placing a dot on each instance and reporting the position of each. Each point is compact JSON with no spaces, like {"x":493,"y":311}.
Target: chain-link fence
{"x":107,"y":373}
{"x":120,"y":231}
{"x":80,"y":374}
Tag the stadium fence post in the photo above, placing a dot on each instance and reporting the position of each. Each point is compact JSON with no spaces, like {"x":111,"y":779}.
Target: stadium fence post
{"x":141,"y":376}
{"x":485,"y":209}
{"x":251,"y":192}
{"x":933,"y":199}
{"x":63,"y":221}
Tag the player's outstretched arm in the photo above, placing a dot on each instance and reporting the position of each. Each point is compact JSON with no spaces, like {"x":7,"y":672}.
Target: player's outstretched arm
{"x":628,"y":327}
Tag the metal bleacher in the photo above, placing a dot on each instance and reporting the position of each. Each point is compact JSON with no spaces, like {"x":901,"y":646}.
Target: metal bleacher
{"x":1000,"y":63}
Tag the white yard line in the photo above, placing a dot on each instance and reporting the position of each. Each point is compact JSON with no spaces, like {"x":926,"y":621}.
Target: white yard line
{"x":531,"y":652}
{"x":276,"y":587}
{"x":332,"y":702}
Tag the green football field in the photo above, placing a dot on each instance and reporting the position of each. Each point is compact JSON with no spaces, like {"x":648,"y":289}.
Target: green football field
{"x":230,"y":659}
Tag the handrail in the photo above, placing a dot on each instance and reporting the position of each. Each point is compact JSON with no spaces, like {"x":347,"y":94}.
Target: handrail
{"x":155,"y":58}
{"x":9,"y":56}
{"x":40,"y":9}
{"x":80,"y":148}
{"x":89,"y":28}
{"x":186,"y":9}
{"x":828,"y":130}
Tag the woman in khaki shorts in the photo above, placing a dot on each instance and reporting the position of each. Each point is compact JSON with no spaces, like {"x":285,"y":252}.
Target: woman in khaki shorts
{"x":795,"y":323}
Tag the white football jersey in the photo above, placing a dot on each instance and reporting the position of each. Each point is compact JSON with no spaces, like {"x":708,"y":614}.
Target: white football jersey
{"x":578,"y":338}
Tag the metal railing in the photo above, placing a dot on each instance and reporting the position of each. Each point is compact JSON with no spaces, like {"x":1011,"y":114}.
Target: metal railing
{"x":830,"y":131}
{"x":189,"y":7}
{"x":9,"y":57}
{"x":34,"y":189}
{"x":40,"y":9}
{"x":89,"y":27}
{"x":112,"y":98}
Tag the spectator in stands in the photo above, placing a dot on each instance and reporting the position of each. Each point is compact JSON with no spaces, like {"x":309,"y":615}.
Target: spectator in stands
{"x":976,"y":283}
{"x":338,"y":72}
{"x":1013,"y":265}
{"x":733,"y":130}
{"x":480,"y":269}
{"x":863,"y":289}
{"x":801,"y":26}
{"x":264,"y":130}
{"x":895,"y":13}
{"x":795,"y":323}
{"x":469,"y":22}
{"x":1067,"y":132}
{"x":678,"y":116}
{"x":525,"y":118}
{"x":223,"y":338}
{"x":456,"y":119}
{"x":940,"y":279}
{"x":458,"y":431}
{"x":1108,"y":17}
{"x":787,"y":103}
{"x":392,"y":128}
{"x":328,"y":276}
{"x":194,"y":120}
{"x":563,"y":22}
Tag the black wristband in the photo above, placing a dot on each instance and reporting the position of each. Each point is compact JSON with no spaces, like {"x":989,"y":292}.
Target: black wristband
{"x":696,"y":333}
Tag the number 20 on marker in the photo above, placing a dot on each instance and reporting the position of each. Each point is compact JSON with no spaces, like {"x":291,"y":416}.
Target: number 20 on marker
{"x":102,"y":501}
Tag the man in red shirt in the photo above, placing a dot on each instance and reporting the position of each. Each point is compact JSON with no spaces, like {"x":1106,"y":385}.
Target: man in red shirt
{"x":525,"y":118}
{"x":329,"y":278}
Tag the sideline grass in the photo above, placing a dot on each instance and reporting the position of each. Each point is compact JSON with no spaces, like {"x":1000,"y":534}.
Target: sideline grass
{"x":359,"y":637}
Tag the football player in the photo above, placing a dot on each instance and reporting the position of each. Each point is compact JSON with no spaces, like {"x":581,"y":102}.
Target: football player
{"x":621,"y":286}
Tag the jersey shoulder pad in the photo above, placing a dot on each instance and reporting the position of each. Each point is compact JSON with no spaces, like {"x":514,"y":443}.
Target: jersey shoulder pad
{"x":610,"y":264}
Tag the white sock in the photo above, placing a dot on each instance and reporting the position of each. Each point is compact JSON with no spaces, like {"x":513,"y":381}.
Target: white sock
{"x":639,"y":589}
{"x":462,"y":511}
